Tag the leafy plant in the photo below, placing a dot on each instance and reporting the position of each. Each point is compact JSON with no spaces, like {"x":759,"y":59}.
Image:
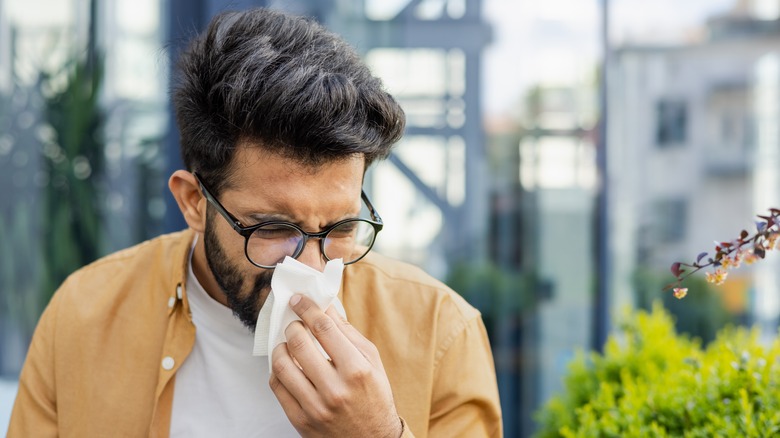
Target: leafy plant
{"x":651,"y":382}
{"x":73,"y":164}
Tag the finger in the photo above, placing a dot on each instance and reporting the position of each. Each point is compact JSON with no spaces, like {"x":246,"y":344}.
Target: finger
{"x":325,"y":329}
{"x":292,"y":409}
{"x":305,"y":352}
{"x":284,"y":369}
{"x":366,"y":347}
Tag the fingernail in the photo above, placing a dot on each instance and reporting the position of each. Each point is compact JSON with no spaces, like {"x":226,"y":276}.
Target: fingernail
{"x":295,"y":300}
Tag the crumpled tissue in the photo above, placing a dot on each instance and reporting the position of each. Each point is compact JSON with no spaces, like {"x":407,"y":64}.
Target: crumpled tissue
{"x":293,"y":277}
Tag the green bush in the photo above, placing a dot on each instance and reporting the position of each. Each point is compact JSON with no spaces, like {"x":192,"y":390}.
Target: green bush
{"x":651,"y":382}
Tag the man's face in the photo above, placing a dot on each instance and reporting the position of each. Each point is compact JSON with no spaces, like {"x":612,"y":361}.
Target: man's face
{"x":267,"y":187}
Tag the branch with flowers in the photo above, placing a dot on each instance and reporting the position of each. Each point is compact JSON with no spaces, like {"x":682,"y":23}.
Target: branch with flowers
{"x":730,"y":254}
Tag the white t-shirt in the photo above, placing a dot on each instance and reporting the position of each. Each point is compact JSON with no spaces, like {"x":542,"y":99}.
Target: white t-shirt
{"x":221,"y":390}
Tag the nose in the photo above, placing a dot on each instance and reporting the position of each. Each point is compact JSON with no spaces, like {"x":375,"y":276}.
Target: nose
{"x":312,"y":256}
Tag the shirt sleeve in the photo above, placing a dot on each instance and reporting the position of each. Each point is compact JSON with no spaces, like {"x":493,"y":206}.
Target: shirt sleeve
{"x":465,"y":397}
{"x":35,"y":409}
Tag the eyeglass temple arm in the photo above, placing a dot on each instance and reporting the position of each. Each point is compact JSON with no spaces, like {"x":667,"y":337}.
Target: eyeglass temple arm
{"x":235,"y":223}
{"x":371,"y":210}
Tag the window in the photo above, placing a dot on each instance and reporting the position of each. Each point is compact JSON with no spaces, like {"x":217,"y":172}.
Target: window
{"x":670,"y":220}
{"x":672,"y":121}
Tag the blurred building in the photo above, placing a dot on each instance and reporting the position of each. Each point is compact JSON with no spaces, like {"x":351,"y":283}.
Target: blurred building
{"x":40,"y":44}
{"x":692,"y":138}
{"x":557,"y":176}
{"x":435,"y":193}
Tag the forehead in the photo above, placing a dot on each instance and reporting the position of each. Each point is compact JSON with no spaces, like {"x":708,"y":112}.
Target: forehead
{"x":266,"y":182}
{"x":253,"y":164}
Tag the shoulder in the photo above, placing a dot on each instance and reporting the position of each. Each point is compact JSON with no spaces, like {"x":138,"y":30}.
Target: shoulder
{"x":403,"y":295}
{"x":160,"y":253}
{"x":150,"y":266}
{"x":404,"y":281}
{"x":158,"y":247}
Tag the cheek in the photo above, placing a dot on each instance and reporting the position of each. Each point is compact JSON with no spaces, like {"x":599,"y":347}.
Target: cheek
{"x":232,"y":245}
{"x":233,"y":251}
{"x":226,"y":247}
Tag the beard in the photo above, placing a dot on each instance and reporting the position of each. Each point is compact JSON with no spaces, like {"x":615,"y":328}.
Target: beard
{"x":245,"y":305}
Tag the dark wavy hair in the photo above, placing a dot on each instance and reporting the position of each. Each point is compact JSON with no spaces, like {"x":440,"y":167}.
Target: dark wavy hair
{"x":284,"y":83}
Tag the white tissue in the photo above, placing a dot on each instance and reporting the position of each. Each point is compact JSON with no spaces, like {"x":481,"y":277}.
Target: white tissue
{"x":293,"y":277}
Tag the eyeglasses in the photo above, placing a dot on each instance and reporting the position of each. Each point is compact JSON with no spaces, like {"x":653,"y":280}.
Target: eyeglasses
{"x":268,"y":243}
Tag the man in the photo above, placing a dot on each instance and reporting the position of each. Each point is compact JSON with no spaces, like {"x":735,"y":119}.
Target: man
{"x":279,"y":121}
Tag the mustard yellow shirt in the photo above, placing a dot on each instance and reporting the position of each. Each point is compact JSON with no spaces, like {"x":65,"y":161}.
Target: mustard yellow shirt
{"x":104,"y":356}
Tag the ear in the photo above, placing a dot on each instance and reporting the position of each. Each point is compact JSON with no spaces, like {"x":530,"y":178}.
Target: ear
{"x":186,"y":191}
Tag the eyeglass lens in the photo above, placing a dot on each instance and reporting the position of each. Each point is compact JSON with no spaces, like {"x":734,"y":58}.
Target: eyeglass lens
{"x":270,"y":244}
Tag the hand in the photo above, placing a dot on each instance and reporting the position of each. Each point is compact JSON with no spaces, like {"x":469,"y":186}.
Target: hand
{"x":349,"y":396}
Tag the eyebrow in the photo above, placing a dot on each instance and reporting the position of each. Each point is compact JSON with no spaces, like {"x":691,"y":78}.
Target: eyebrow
{"x":259,"y":218}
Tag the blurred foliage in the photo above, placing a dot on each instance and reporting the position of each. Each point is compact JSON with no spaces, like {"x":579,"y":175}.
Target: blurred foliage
{"x":497,"y":293}
{"x":74,"y":164}
{"x":18,"y":302}
{"x":651,"y":382}
{"x":52,"y":175}
{"x":701,"y":314}
{"x":19,"y":223}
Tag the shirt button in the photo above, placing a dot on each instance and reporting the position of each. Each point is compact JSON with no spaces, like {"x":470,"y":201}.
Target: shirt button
{"x":171,"y":302}
{"x":168,"y":363}
{"x":178,"y":291}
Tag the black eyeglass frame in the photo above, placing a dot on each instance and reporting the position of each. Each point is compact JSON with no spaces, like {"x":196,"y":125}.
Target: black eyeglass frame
{"x":246,"y":232}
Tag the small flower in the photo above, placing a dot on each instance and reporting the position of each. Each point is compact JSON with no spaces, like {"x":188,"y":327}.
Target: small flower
{"x":771,"y":241}
{"x":680,"y":292}
{"x":750,"y":258}
{"x":726,"y":262}
{"x":718,"y":277}
{"x":737,"y":261}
